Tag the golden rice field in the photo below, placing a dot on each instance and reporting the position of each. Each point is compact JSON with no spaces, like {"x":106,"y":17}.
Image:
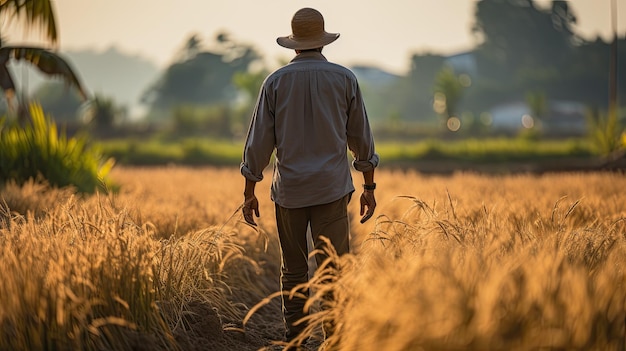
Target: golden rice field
{"x":460,"y":262}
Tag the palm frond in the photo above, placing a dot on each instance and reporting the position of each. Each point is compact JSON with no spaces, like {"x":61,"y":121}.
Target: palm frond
{"x":35,"y":12}
{"x":45,"y":60}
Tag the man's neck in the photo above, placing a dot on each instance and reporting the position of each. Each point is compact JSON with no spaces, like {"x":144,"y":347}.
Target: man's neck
{"x":309,"y":50}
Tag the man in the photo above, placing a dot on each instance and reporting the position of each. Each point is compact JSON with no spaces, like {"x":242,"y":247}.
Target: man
{"x":310,"y":112}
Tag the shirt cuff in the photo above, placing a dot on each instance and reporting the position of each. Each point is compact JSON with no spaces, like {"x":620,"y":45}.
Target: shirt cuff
{"x":247,"y":173}
{"x":366,"y":165}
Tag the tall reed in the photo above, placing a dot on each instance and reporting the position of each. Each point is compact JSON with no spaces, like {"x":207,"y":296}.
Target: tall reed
{"x":439,"y":277}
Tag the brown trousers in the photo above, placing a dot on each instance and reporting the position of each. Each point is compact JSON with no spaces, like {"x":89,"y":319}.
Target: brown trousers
{"x":328,"y":220}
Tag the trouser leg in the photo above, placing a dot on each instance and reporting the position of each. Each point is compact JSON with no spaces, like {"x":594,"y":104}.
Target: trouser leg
{"x":292,"y":227}
{"x":331,"y":221}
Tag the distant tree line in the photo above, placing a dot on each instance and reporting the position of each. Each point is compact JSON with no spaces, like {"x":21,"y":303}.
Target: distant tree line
{"x":524,"y":53}
{"x":523,"y":49}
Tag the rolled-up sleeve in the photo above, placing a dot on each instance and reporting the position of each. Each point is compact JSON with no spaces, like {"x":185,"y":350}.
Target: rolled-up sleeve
{"x":261,"y":138}
{"x":360,"y":137}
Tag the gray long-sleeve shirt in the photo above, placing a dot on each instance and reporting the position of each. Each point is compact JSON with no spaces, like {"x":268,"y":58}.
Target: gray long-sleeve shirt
{"x":311,"y":112}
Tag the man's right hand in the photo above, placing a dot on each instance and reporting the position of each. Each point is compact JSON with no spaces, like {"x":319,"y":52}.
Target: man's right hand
{"x":250,"y":205}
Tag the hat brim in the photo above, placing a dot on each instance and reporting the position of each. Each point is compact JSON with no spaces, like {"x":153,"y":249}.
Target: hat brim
{"x":290,"y":42}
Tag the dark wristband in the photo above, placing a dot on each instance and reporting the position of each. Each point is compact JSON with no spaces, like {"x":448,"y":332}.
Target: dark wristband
{"x":369,"y":186}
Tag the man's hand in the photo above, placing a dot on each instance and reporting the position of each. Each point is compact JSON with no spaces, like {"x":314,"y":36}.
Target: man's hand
{"x":367,"y":200}
{"x":250,"y":204}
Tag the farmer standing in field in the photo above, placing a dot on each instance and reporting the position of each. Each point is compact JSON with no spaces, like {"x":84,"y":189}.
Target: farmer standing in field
{"x":311,"y":112}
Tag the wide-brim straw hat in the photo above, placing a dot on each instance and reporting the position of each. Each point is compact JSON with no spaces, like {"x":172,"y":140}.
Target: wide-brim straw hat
{"x":307,"y":31}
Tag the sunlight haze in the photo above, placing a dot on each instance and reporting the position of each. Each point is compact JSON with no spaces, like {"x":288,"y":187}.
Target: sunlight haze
{"x":381,"y":33}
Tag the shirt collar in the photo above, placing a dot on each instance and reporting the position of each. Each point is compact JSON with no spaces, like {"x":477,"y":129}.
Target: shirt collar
{"x":309,"y":56}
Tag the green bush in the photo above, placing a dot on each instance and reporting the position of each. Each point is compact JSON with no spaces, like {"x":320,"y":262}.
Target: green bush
{"x":36,"y":150}
{"x":605,"y":131}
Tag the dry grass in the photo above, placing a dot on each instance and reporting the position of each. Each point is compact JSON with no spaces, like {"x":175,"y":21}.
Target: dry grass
{"x":464,"y":262}
{"x":481,"y":263}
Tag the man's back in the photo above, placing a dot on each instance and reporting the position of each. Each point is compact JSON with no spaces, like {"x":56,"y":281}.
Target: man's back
{"x":311,"y":101}
{"x":309,"y":111}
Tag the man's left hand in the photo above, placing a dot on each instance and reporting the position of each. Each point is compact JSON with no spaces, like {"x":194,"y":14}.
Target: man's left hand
{"x":250,"y":205}
{"x":368,"y":200}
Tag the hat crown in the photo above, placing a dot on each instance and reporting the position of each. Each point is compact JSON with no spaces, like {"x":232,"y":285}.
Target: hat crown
{"x":307,"y":23}
{"x":307,"y":31}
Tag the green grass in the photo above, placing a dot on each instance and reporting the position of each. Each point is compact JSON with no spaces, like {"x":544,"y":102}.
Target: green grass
{"x":197,"y":151}
{"x":485,"y":150}
{"x":190,"y":151}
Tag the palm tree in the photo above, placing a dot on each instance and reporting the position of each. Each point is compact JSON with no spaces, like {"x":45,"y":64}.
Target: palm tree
{"x":35,"y":13}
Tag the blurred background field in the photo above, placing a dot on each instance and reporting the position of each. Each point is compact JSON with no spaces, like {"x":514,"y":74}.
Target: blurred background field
{"x":500,"y":155}
{"x":535,"y":81}
{"x":464,"y":261}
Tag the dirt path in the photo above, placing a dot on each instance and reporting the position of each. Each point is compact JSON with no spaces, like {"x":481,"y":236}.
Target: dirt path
{"x":202,"y":329}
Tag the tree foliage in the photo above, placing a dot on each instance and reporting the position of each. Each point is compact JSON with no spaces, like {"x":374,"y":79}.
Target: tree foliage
{"x":527,"y":48}
{"x":200,"y":76}
{"x":522,"y":48}
{"x":408,"y":97}
{"x":58,"y":101}
{"x":449,"y":85}
{"x":517,"y":34}
{"x":249,"y":83}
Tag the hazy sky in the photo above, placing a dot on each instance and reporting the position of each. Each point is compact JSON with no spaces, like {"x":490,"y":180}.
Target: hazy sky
{"x":381,"y":32}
